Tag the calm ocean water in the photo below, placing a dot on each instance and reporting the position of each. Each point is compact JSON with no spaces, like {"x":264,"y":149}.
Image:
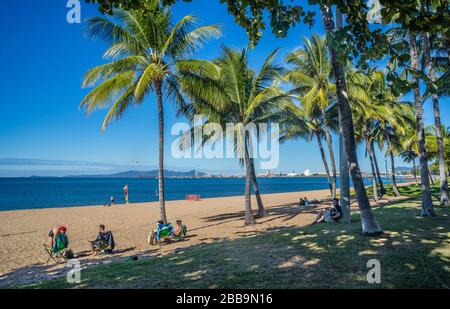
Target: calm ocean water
{"x":30,"y":193}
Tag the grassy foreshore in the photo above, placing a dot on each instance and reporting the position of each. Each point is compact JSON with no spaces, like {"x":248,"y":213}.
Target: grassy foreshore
{"x":414,"y":253}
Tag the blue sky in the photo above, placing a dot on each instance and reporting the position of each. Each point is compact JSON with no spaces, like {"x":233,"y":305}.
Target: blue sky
{"x":43,"y":59}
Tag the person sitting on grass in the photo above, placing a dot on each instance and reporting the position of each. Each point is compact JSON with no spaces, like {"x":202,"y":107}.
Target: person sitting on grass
{"x":104,"y":241}
{"x":162,"y":230}
{"x":180,"y":230}
{"x":329,"y":215}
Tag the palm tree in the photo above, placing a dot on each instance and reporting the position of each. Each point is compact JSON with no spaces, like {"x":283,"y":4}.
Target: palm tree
{"x":409,"y":156}
{"x":310,"y":76}
{"x":392,"y":128}
{"x":427,"y":203}
{"x":364,"y":129}
{"x":370,"y":225}
{"x":437,"y":121}
{"x":378,"y":107}
{"x":226,"y":90}
{"x":410,"y":145}
{"x":144,"y":47}
{"x":298,"y":125}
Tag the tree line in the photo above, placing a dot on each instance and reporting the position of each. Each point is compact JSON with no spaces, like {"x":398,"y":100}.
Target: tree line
{"x":331,"y":78}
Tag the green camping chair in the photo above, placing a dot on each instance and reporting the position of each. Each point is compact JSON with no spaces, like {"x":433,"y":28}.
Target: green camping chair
{"x":165,"y":234}
{"x":183,"y":233}
{"x":58,"y":251}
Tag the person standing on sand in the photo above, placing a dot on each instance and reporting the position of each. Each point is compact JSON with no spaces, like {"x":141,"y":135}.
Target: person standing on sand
{"x":125,"y":192}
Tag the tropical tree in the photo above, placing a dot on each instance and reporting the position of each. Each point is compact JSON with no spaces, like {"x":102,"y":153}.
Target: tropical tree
{"x":226,"y":90}
{"x":409,"y":145}
{"x":392,"y":128}
{"x":371,"y":110}
{"x":427,"y":49}
{"x":370,"y":225}
{"x":144,"y":48}
{"x":432,"y":147}
{"x":427,"y":203}
{"x":297,"y":124}
{"x":310,"y":76}
{"x":410,"y":156}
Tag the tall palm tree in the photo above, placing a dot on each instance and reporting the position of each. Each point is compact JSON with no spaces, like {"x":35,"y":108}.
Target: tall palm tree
{"x":364,"y":129}
{"x":310,"y":75}
{"x":376,"y":108}
{"x":298,"y":125}
{"x":427,"y":203}
{"x":226,"y":90}
{"x":409,"y":145}
{"x":410,"y":156}
{"x":437,"y":121}
{"x":370,"y":225}
{"x":392,"y":128}
{"x":143,"y":48}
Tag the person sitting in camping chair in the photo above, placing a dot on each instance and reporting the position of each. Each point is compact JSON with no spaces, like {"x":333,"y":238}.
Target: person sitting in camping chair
{"x":162,"y":232}
{"x":330,"y":215}
{"x":180,"y":231}
{"x":58,"y":243}
{"x":104,"y":241}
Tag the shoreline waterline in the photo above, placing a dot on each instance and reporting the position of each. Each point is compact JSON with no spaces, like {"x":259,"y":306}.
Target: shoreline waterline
{"x":43,"y":193}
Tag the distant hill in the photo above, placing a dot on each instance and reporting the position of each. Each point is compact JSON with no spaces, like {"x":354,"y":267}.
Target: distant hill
{"x":403,"y":169}
{"x":146,"y":174}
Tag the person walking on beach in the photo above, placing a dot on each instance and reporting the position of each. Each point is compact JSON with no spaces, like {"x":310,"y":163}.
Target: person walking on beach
{"x":125,"y":192}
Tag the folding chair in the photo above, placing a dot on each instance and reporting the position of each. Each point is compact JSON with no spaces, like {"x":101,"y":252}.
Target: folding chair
{"x":183,"y":233}
{"x":59,"y":249}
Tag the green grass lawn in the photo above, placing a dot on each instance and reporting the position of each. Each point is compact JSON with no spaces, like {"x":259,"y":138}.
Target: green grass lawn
{"x":406,"y":191}
{"x":414,"y":253}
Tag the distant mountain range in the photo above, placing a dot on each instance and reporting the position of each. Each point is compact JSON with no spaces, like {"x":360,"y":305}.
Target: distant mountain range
{"x":145,"y":174}
{"x":403,"y":169}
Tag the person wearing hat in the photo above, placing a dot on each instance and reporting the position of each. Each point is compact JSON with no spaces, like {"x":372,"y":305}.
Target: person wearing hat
{"x":53,"y":233}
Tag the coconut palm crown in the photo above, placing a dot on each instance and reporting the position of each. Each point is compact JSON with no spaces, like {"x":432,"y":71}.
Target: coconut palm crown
{"x":144,"y":47}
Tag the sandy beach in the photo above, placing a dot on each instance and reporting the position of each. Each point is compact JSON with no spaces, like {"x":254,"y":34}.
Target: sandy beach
{"x":23,"y":232}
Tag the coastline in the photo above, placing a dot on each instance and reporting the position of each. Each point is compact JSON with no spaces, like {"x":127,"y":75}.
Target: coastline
{"x":23,"y":232}
{"x":49,"y":193}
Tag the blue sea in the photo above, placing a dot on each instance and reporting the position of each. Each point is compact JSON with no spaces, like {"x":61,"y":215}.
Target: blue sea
{"x":31,"y":193}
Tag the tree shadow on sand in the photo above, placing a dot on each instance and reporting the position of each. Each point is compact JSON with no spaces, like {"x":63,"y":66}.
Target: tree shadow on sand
{"x":39,"y":272}
{"x":414,"y":252}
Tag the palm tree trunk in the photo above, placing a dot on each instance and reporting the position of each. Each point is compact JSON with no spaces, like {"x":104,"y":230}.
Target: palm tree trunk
{"x":415,"y":171}
{"x":249,"y":219}
{"x":374,"y":174}
{"x":437,"y":124}
{"x":332,"y":161}
{"x":262,"y":212}
{"x":380,"y":181}
{"x":162,"y":206}
{"x":431,"y":176}
{"x":325,"y":163}
{"x":344,"y":177}
{"x":394,"y":181}
{"x":370,"y":225}
{"x":427,"y":203}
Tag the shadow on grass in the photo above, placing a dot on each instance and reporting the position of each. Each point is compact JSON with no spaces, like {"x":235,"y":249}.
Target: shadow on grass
{"x":51,"y":270}
{"x":414,"y":253}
